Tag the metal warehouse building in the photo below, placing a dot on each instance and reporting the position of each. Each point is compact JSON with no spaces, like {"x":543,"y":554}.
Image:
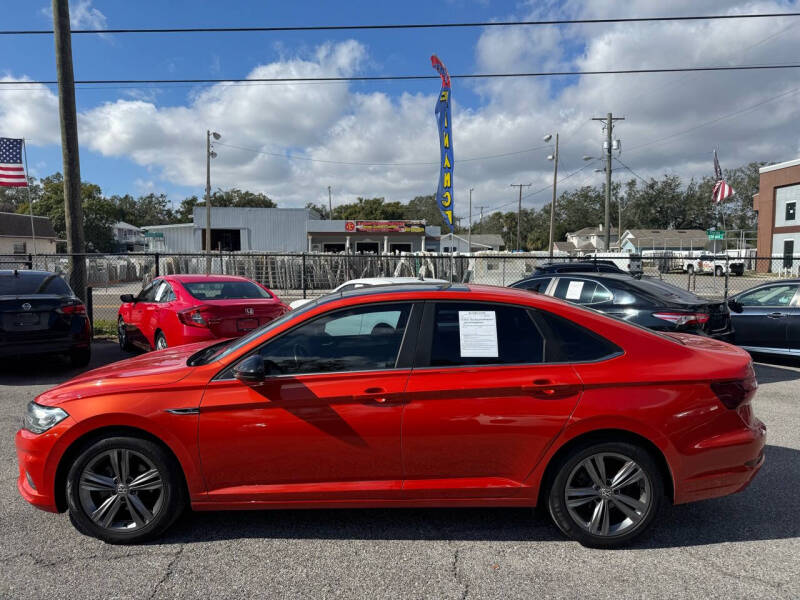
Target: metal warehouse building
{"x":290,"y":230}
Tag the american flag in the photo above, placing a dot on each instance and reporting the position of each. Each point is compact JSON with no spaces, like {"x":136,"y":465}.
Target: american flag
{"x":722,"y":190}
{"x":12,"y":173}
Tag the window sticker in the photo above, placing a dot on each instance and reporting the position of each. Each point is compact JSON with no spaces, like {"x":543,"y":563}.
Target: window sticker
{"x":574,"y":290}
{"x":161,"y":292}
{"x":478,"y":333}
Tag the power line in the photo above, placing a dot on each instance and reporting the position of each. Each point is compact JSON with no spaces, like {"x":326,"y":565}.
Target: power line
{"x":402,"y":26}
{"x":405,"y":77}
{"x":631,"y":170}
{"x":379,"y":164}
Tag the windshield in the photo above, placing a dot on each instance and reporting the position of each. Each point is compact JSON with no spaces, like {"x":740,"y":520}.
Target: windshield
{"x":223,"y":349}
{"x":225,"y":290}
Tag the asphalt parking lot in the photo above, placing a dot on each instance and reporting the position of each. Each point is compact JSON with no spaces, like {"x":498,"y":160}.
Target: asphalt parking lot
{"x":744,"y":545}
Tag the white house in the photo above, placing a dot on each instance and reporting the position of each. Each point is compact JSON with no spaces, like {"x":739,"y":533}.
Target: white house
{"x":17,"y":237}
{"x":591,"y":239}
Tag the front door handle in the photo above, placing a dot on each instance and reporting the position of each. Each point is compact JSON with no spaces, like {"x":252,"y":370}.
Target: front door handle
{"x":550,"y":390}
{"x":775,"y":315}
{"x":374,"y":394}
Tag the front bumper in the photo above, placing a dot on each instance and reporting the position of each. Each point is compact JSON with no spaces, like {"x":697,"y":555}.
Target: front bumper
{"x":36,"y":458}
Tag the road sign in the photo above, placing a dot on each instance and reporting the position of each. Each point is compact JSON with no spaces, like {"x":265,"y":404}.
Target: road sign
{"x":715,"y":235}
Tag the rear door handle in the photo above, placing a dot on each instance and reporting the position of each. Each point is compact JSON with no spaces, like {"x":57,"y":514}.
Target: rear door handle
{"x":775,"y":315}
{"x":549,"y":390}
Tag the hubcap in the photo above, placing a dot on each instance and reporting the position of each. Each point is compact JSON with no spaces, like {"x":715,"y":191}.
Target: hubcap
{"x":608,"y":494}
{"x":121,"y":489}
{"x":121,"y":332}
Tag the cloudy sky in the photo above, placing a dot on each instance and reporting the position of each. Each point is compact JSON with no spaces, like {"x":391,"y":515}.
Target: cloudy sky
{"x":290,"y":141}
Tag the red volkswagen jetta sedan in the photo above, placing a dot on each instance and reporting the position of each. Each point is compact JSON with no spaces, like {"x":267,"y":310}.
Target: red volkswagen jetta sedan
{"x":447,"y":395}
{"x":182,"y":309}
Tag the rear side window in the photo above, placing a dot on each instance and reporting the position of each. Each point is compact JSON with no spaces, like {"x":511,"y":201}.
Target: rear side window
{"x":225,"y":290}
{"x":569,"y":342}
{"x":484,"y":334}
{"x":535,"y":285}
{"x":26,"y":284}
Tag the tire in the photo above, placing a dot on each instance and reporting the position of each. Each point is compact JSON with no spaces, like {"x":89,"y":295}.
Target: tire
{"x":122,"y":336}
{"x":80,"y":357}
{"x":597,"y":517}
{"x":161,"y":495}
{"x":690,"y":269}
{"x":719,"y":271}
{"x":160,"y":342}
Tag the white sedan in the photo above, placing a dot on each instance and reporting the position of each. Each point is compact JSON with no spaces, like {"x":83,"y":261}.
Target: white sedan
{"x":354,"y":284}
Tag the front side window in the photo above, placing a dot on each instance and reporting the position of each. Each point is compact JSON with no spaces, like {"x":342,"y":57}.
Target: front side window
{"x":358,"y":339}
{"x":148,"y":294}
{"x":225,"y":290}
{"x":775,"y":295}
{"x":581,"y":291}
{"x":163,"y":292}
{"x":484,"y":334}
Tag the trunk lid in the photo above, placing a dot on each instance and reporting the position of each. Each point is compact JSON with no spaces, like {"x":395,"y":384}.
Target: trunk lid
{"x":234,"y":318}
{"x":34,"y":316}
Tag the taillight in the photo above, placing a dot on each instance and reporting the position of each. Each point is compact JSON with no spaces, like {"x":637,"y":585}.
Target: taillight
{"x":735,"y":393}
{"x":73,"y":309}
{"x":683,"y":318}
{"x":194,"y":317}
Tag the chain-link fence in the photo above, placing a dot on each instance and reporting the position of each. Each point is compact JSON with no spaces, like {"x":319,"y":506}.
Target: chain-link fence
{"x":309,"y":275}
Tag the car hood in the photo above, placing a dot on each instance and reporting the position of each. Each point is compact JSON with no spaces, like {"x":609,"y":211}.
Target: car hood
{"x":147,"y":370}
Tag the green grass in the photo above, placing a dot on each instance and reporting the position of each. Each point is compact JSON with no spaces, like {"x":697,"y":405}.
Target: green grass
{"x":104,"y":329}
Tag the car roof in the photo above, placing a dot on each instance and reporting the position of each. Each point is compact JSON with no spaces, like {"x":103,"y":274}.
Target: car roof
{"x":200,"y":278}
{"x":392,"y":280}
{"x":24,"y":273}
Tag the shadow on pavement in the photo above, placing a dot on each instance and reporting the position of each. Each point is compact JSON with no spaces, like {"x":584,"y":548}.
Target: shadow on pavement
{"x":764,"y":511}
{"x":778,"y":370}
{"x":54,"y":369}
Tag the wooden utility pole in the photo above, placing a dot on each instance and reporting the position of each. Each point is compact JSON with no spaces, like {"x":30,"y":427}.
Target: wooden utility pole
{"x":469,"y":231}
{"x":73,"y":208}
{"x":519,"y":210}
{"x":330,"y":205}
{"x":609,"y":126}
{"x":553,"y":203}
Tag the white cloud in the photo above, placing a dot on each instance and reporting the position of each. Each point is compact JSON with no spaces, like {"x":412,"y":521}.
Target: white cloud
{"x":82,"y":15}
{"x":335,"y":122}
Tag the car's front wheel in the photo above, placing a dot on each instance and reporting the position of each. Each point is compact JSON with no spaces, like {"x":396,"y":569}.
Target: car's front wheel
{"x":605,"y":494}
{"x":161,"y":341}
{"x":122,"y":336}
{"x":124,"y":490}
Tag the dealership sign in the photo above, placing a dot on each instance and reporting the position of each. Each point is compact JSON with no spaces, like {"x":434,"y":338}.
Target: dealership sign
{"x":385,"y":226}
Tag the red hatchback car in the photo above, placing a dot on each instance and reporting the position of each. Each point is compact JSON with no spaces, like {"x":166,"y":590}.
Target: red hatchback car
{"x":182,"y":309}
{"x":411,"y":395}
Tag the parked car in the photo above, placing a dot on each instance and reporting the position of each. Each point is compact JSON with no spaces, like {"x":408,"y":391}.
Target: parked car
{"x":417,"y":395}
{"x":588,"y":266}
{"x":40,"y":314}
{"x":649,"y":302}
{"x":767,"y":318}
{"x":355,"y":284}
{"x":182,"y":309}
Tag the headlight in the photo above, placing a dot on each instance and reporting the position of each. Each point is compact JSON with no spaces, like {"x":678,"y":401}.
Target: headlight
{"x":39,"y":419}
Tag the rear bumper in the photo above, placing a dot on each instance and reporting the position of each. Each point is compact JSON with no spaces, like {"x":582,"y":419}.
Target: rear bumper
{"x":723,"y":464}
{"x":51,"y":346}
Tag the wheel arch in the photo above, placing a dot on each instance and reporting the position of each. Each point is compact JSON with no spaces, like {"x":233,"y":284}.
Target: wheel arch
{"x":606,"y":435}
{"x":78,"y":444}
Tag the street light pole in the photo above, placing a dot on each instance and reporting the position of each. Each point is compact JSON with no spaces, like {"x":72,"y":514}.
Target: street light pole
{"x":554,"y":158}
{"x":469,"y":229}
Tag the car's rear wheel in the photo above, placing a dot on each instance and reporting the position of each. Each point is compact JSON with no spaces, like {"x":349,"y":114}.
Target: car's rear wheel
{"x":80,"y":357}
{"x":161,"y":341}
{"x":719,"y":271}
{"x":124,"y":490}
{"x":122,"y":336}
{"x":690,"y":269}
{"x":606,"y":494}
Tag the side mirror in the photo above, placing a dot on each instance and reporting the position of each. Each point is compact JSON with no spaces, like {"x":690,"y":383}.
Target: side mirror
{"x":127,"y":298}
{"x":251,"y":370}
{"x":735,"y":306}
